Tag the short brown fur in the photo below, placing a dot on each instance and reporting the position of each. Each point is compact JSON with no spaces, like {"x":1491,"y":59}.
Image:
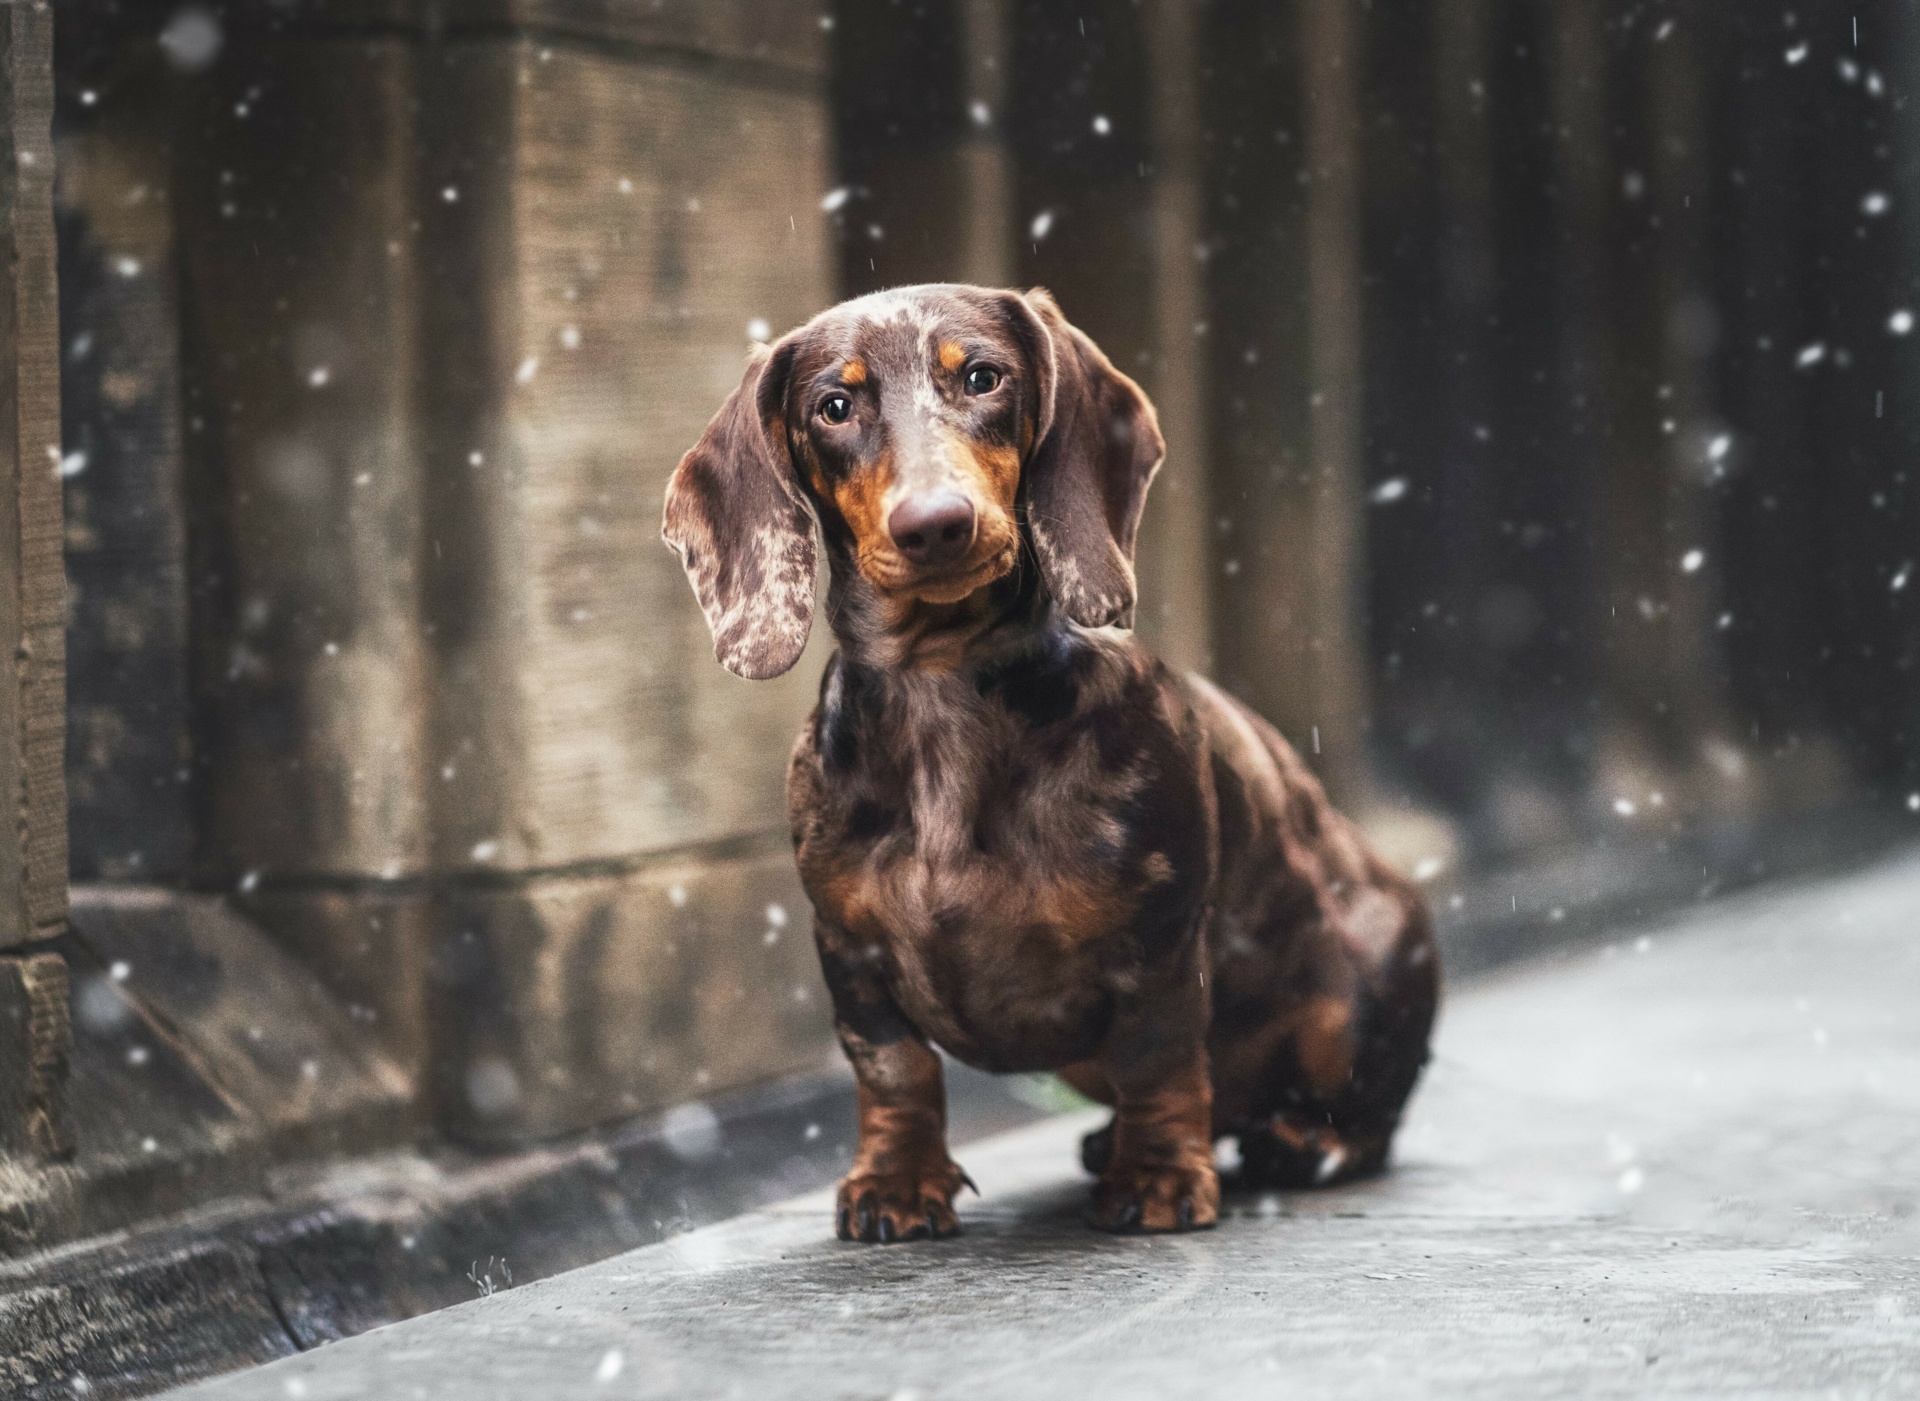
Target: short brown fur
{"x":1025,"y":840}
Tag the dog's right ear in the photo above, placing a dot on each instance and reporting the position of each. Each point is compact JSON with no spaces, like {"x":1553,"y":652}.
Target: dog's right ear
{"x":744,"y":532}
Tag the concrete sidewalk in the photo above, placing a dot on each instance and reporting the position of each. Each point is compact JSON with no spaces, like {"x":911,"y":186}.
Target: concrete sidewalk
{"x":1686,"y":1164}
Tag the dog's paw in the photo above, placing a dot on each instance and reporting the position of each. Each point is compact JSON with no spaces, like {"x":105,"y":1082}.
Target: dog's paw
{"x":884,"y":1208}
{"x":1183,"y":1197}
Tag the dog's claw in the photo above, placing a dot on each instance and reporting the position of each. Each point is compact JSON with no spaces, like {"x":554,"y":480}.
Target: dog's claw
{"x":888,"y":1209}
{"x":1182,"y":1199}
{"x":966,"y":1180}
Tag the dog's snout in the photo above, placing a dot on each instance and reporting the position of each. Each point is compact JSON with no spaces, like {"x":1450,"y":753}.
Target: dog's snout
{"x":932,"y":527}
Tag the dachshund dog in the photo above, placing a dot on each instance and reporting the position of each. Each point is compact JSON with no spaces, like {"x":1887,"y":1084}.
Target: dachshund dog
{"x":1025,"y":840}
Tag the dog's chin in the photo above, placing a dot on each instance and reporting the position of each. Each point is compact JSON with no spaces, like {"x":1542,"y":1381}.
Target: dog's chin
{"x":950,"y":585}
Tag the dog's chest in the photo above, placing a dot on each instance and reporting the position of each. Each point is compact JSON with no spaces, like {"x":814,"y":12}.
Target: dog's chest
{"x":968,"y":856}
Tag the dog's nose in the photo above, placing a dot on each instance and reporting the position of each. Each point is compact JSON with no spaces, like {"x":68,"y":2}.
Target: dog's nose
{"x":933,"y":527}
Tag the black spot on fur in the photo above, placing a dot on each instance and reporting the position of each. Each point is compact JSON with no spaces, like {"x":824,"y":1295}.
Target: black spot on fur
{"x":869,"y":821}
{"x":1043,"y":686}
{"x":850,"y":706}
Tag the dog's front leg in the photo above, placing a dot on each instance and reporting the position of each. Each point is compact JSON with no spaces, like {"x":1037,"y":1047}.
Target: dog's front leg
{"x":903,"y":1183}
{"x":1160,"y":1174}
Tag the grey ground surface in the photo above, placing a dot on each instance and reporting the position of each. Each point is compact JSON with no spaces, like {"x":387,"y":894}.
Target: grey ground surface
{"x":1686,"y":1164}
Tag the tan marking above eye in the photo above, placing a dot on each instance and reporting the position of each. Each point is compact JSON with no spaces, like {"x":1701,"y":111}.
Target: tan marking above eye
{"x":952,"y":355}
{"x":854,"y":371}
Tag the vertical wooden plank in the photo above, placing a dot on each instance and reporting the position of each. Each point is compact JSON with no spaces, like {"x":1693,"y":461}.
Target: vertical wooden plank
{"x":1464,"y":189}
{"x":1328,"y":704}
{"x":916,"y":169}
{"x":1255,"y":359}
{"x":1663,"y":684}
{"x":1585,"y":180}
{"x":1684,"y":188}
{"x":33,"y":865}
{"x":1901,"y":37}
{"x":129,"y":710}
{"x":1175,"y":613}
{"x":299,"y":271}
{"x":986,"y":169}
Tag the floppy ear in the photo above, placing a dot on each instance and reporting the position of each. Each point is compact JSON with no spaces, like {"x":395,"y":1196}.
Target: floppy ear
{"x":742,"y":529}
{"x":1096,"y":448}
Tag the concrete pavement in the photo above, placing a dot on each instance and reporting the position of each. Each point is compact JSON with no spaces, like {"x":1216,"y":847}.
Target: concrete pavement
{"x":1684,"y":1164}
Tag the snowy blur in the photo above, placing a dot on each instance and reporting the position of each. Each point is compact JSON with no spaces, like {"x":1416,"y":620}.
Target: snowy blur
{"x":1541,"y":387}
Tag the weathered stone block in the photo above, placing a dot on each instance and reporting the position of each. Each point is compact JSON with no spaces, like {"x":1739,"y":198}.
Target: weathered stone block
{"x":121,"y":1331}
{"x":599,"y":238}
{"x":36,"y":1050}
{"x":261,"y":1027}
{"x":455,"y":310}
{"x":587,"y":999}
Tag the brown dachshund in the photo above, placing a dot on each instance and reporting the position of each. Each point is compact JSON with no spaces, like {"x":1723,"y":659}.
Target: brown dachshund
{"x":1026,"y":841}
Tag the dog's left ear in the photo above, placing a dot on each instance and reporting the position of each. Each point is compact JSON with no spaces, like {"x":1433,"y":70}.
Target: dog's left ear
{"x":743,"y":530}
{"x":1096,"y":447}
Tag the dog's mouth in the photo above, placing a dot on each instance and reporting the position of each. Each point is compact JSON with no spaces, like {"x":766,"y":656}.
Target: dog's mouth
{"x":992,"y":557}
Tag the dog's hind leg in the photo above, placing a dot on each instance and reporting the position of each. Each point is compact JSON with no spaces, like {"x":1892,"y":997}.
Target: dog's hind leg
{"x":1351,"y":1061}
{"x":1291,"y":1150}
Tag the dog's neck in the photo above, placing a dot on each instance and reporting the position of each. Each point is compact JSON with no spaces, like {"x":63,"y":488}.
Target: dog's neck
{"x":988,"y":627}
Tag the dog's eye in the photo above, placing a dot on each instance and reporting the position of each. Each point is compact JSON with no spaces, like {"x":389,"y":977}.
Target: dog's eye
{"x":982,"y":379}
{"x":836,"y":408}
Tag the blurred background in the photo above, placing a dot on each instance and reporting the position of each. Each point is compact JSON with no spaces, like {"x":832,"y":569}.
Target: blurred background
{"x":1541,"y":391}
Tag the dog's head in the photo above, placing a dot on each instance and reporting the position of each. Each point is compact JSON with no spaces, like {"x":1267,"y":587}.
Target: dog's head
{"x":922,"y":427}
